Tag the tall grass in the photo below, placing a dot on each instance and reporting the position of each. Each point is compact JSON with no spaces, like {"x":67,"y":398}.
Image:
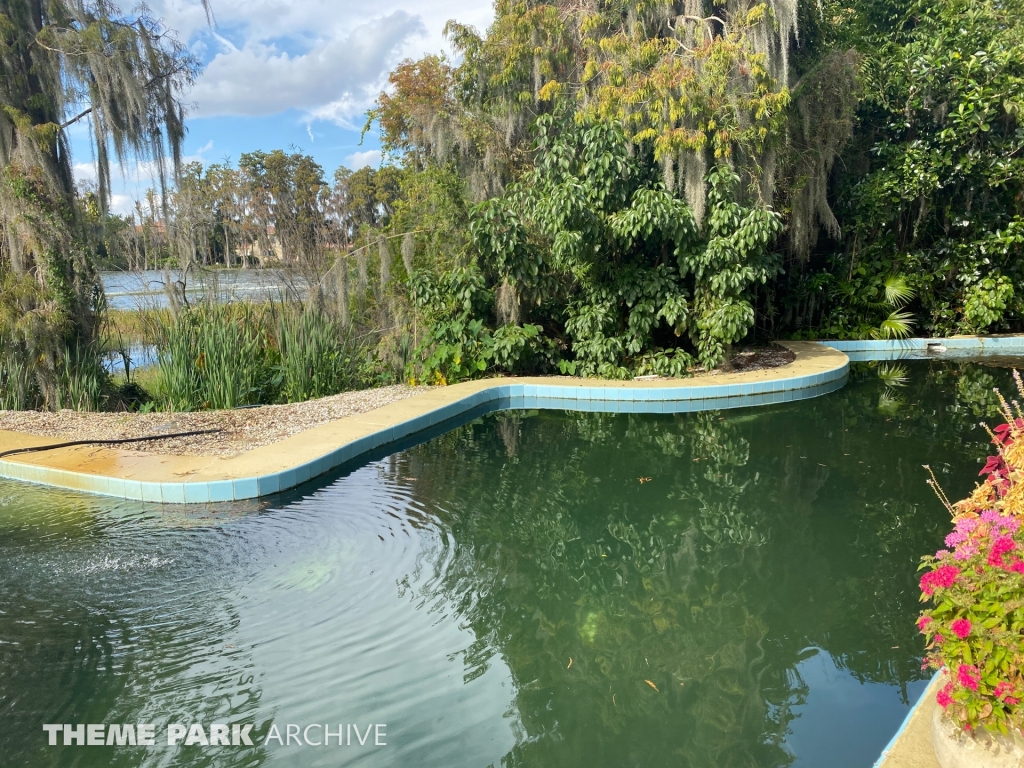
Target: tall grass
{"x":315,"y":358}
{"x":79,"y":381}
{"x":83,"y":384}
{"x":18,"y":390}
{"x":214,"y":356}
{"x":217,"y":356}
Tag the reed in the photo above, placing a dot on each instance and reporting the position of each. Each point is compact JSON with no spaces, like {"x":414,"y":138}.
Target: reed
{"x":214,"y":356}
{"x":315,"y":354}
{"x":229,"y":355}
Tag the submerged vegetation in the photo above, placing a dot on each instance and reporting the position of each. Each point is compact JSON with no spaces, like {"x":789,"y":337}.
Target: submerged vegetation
{"x":604,"y":189}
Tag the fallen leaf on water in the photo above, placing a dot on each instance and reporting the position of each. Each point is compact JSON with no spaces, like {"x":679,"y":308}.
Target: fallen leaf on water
{"x":570,"y":662}
{"x":652,"y":685}
{"x":644,"y":480}
{"x":613,"y":701}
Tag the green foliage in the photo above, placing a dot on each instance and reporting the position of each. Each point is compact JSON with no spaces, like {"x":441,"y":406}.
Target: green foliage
{"x":591,"y":229}
{"x":935,"y":183}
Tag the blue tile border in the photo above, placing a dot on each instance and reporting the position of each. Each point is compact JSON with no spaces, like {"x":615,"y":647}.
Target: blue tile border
{"x":859,"y":350}
{"x":612,"y":397}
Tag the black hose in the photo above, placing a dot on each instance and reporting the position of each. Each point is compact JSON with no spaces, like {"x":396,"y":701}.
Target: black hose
{"x":110,"y":442}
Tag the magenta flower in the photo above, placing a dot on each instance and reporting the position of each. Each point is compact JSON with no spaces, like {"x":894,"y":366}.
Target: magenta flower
{"x":945,"y":695}
{"x":968,"y":676}
{"x":1000,"y":547}
{"x":941,"y":577}
{"x":961,"y":628}
{"x":923,"y":622}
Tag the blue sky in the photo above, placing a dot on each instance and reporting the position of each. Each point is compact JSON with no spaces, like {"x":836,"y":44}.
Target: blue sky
{"x":290,"y":74}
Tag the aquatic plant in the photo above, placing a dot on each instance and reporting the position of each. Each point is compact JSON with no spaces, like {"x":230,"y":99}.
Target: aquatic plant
{"x":215,"y":356}
{"x":315,"y":355}
{"x":975,"y":629}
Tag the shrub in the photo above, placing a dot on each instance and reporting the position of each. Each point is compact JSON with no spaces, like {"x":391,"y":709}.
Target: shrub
{"x":975,"y":628}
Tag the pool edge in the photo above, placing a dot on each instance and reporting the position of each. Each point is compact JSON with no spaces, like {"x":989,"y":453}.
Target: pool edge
{"x":816,"y":370}
{"x":905,"y":749}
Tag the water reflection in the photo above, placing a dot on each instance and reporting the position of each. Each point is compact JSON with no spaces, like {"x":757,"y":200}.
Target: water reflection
{"x":532,"y":589}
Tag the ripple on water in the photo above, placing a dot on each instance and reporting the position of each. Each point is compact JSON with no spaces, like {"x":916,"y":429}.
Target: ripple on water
{"x":305,"y":613}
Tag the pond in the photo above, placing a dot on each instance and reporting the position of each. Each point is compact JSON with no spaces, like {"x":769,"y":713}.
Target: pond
{"x":533,"y":588}
{"x":146,"y":289}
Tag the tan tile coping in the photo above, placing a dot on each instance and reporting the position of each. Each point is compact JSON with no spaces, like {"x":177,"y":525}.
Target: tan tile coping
{"x":911,"y":747}
{"x":277,"y":467}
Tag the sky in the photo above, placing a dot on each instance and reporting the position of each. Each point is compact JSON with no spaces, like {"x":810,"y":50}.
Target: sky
{"x":297,"y":75}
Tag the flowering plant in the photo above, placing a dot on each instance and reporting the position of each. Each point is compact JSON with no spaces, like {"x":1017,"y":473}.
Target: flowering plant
{"x":976,"y":585}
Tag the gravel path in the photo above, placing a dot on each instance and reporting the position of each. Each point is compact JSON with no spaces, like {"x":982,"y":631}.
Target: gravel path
{"x":242,"y":429}
{"x":252,"y":427}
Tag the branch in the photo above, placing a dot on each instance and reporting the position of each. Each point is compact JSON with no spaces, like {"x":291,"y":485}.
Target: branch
{"x":75,"y":119}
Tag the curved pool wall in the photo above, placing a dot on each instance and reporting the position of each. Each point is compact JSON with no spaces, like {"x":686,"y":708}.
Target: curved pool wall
{"x":815,"y":372}
{"x":863,"y":350}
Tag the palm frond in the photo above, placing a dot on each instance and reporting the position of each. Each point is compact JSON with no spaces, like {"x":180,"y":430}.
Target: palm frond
{"x":897,"y":291}
{"x":893,"y":375}
{"x":898,"y":325}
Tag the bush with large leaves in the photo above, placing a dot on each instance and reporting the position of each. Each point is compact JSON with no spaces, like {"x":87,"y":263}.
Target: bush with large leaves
{"x":589,"y":245}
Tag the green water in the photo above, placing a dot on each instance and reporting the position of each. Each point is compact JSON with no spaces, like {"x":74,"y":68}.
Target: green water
{"x":538,"y":588}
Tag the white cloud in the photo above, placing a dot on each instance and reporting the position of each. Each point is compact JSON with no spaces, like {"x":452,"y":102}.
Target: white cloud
{"x":327,"y":58}
{"x":261,"y":79}
{"x":122,"y":204}
{"x":357,"y":160}
{"x":85,"y":172}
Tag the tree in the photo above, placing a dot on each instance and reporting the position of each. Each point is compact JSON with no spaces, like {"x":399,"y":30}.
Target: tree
{"x":65,"y":61}
{"x":625,"y":159}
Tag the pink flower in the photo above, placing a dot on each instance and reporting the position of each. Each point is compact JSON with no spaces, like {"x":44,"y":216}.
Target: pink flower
{"x":990,"y":516}
{"x":941,"y":577}
{"x":967,"y":524}
{"x":1000,"y":547}
{"x":961,"y":628}
{"x":941,"y":554}
{"x":923,"y":622}
{"x":945,"y":695}
{"x":939,"y":639}
{"x":968,"y":676}
{"x":955,"y":538}
{"x":966,"y":550}
{"x":1002,"y":691}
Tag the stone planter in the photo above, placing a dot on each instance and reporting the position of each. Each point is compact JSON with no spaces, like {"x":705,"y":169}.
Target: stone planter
{"x":955,"y":749}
